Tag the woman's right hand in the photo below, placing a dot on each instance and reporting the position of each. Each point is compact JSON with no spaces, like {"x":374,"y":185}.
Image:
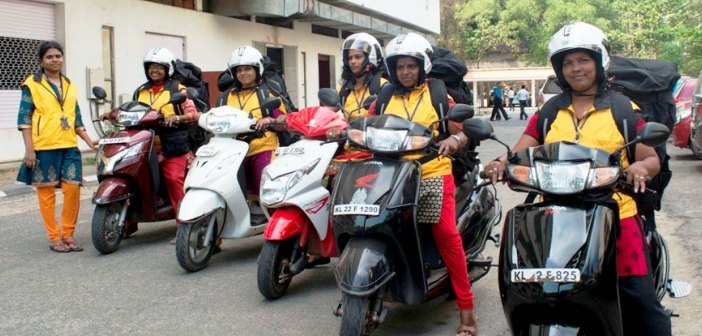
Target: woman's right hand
{"x":30,"y":159}
{"x":494,"y":170}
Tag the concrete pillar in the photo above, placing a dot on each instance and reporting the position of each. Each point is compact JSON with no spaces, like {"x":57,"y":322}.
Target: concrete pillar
{"x":533,"y":92}
{"x":475,"y":94}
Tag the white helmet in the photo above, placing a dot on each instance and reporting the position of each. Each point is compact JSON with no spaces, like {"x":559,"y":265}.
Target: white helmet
{"x":246,"y":55}
{"x":408,"y":44}
{"x":366,"y":43}
{"x":161,"y":56}
{"x":578,"y":36}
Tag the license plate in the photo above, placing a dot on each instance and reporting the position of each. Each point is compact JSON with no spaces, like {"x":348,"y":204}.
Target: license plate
{"x":289,"y":150}
{"x":357,"y":209}
{"x":108,"y":141}
{"x":527,"y":275}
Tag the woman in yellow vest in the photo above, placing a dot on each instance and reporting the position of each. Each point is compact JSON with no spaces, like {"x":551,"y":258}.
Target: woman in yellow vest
{"x":159,"y":67}
{"x":579,"y":56}
{"x":246,"y":69}
{"x":363,"y":57}
{"x":50,"y":119}
{"x":408,"y":62}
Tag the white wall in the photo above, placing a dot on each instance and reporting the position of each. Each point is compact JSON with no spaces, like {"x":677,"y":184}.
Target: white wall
{"x":209,"y":41}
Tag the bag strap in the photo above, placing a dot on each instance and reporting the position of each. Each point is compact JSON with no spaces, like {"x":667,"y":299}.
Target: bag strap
{"x":374,"y":84}
{"x":263,"y":92}
{"x":439,"y":99}
{"x":624,"y":116}
{"x":222,"y":99}
{"x":384,"y":98}
{"x":545,"y":117}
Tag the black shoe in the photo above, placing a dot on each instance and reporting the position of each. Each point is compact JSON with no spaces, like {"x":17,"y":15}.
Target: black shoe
{"x":507,"y":119}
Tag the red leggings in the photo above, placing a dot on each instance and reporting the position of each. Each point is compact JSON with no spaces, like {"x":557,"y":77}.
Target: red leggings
{"x":450,"y":247}
{"x":173,"y":170}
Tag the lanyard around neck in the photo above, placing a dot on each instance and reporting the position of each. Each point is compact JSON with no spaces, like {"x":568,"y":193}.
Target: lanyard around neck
{"x":246,"y":101}
{"x":419,"y":101}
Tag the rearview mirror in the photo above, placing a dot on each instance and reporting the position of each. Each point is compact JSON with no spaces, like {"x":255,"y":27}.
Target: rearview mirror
{"x":271,"y":103}
{"x":653,"y":134}
{"x":178,"y":98}
{"x":369,"y":101}
{"x":99,"y":92}
{"x":478,"y":129}
{"x":328,"y":97}
{"x":460,"y":112}
{"x":192,"y":93}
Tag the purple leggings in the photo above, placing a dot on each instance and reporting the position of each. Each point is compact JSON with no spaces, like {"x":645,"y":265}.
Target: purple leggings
{"x":253,"y":168}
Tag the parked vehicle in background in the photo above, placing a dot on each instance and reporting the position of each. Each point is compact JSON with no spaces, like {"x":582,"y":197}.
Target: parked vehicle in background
{"x":683,"y":92}
{"x":696,"y":125}
{"x":548,"y":90}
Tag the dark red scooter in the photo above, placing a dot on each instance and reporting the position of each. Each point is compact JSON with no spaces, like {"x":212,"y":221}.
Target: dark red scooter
{"x":131,"y":189}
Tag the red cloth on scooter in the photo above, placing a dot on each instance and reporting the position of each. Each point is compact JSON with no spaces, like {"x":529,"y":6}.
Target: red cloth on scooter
{"x":450,"y":247}
{"x":631,"y":260}
{"x":173,"y":170}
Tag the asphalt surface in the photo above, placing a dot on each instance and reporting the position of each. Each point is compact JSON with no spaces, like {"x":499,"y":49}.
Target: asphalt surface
{"x":141,"y":289}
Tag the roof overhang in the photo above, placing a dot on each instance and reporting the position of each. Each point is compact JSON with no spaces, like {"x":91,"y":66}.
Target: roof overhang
{"x":331,"y":13}
{"x":507,"y":74}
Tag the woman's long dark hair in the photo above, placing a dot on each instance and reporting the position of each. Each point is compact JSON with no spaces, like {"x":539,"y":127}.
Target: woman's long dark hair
{"x":45,"y":46}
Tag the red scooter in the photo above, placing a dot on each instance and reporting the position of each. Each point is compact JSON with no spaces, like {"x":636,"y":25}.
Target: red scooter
{"x":131,"y":188}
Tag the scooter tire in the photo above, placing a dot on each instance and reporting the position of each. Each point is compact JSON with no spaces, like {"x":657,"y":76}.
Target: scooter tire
{"x":191,"y":254}
{"x":356,"y":316}
{"x":105,"y":230}
{"x":275,"y":258}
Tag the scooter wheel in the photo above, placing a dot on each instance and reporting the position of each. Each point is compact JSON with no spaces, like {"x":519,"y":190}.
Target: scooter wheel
{"x":274,"y":268}
{"x":192,"y":251}
{"x":106,"y":230}
{"x":356,"y":316}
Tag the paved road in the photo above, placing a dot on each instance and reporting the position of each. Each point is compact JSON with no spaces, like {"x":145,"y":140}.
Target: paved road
{"x":141,"y":290}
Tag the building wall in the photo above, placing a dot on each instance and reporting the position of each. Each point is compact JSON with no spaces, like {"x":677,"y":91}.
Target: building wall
{"x":209,"y":39}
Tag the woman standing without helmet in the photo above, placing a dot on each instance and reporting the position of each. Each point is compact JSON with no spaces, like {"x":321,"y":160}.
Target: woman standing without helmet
{"x":159,"y":66}
{"x":50,"y":119}
{"x":579,"y":56}
{"x":408,"y":59}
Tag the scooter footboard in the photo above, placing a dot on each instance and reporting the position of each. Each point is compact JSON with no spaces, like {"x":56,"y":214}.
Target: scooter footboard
{"x":199,"y":202}
{"x":364,"y":266}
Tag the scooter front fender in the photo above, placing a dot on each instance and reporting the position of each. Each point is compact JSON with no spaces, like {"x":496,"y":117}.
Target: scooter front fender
{"x":112,"y":189}
{"x":199,"y":202}
{"x":286,"y":223}
{"x":365,"y":266}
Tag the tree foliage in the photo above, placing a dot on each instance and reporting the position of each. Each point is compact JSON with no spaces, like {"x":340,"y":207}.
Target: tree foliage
{"x":659,"y":29}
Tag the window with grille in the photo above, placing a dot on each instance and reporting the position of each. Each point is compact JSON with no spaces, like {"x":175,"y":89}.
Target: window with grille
{"x":18,"y":59}
{"x":326,"y":31}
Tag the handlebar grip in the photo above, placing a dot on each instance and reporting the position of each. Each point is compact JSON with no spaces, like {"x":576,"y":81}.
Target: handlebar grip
{"x":483,"y":175}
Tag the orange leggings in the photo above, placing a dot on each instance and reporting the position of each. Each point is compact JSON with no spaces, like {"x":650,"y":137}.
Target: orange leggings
{"x":69,"y":213}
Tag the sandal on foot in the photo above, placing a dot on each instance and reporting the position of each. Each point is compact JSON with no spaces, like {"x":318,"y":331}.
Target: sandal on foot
{"x":58,"y":246}
{"x":468,"y":324}
{"x":72,"y":245}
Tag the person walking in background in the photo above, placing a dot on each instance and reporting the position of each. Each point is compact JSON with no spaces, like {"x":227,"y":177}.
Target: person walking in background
{"x":497,"y":100}
{"x":523,"y":97}
{"x":49,"y":119}
{"x":510,"y":99}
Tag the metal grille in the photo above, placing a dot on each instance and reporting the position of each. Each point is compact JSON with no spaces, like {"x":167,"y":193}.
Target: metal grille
{"x":18,"y":59}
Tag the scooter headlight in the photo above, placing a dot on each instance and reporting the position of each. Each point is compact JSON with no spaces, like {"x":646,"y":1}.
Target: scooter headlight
{"x":106,"y":165}
{"x":273,"y":190}
{"x":130,"y":118}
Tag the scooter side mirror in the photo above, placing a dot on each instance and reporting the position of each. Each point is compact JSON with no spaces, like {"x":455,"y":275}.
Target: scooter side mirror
{"x":99,"y":92}
{"x":271,"y":103}
{"x":653,"y":134}
{"x":177,"y":98}
{"x":369,"y":101}
{"x":192,"y":93}
{"x":478,"y":129}
{"x":460,"y":112}
{"x":329,"y":97}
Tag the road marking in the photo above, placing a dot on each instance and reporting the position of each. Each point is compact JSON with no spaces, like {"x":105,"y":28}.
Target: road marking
{"x":90,"y":178}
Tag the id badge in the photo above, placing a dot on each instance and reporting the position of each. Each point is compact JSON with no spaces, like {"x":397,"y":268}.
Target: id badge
{"x":64,"y":123}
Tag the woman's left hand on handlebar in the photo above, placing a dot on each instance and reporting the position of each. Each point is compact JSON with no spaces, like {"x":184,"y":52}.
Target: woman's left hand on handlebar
{"x":261,"y":124}
{"x":448,"y":146}
{"x":170,"y":120}
{"x":494,"y":170}
{"x":636,"y":175}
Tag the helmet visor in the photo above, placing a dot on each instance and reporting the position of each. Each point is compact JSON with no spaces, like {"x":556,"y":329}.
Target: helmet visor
{"x":357,"y":44}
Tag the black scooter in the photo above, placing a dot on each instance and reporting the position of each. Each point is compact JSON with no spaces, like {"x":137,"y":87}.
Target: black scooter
{"x":385,"y":255}
{"x":557,"y":271}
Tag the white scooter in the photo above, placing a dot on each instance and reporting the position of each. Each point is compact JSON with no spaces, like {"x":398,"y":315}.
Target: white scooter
{"x":215,"y":204}
{"x":295,"y":190}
